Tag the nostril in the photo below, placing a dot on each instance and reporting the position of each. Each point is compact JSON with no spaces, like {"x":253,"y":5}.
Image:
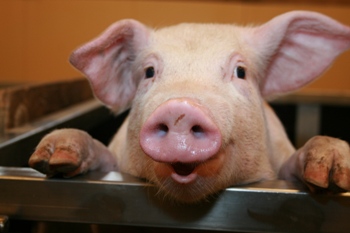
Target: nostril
{"x":198,"y":131}
{"x":162,"y":130}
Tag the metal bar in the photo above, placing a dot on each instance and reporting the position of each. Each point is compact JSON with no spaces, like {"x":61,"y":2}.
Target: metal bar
{"x":114,"y":198}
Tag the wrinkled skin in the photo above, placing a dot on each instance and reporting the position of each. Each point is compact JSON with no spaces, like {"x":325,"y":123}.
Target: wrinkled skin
{"x":199,"y":121}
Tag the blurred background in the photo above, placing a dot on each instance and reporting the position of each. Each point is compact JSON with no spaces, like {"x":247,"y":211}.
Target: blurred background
{"x":37,"y":36}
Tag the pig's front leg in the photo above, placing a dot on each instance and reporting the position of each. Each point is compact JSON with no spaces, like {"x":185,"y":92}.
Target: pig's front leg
{"x":71,"y":152}
{"x":322,"y":163}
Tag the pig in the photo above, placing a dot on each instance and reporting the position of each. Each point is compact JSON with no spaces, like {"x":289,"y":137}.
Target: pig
{"x":199,"y":119}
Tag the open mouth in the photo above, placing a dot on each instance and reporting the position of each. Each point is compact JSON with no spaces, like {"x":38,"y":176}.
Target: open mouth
{"x":184,"y":169}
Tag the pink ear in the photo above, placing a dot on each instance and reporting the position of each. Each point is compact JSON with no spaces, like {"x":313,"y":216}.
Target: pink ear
{"x":298,"y":46}
{"x":107,"y":62}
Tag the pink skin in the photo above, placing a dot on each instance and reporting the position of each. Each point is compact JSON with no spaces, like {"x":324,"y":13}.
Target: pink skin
{"x":180,"y":134}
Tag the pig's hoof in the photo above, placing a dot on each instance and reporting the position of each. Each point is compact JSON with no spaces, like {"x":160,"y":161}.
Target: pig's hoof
{"x":326,"y":164}
{"x":61,"y":152}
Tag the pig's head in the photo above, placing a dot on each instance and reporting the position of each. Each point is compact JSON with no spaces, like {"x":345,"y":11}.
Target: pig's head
{"x":197,"y":123}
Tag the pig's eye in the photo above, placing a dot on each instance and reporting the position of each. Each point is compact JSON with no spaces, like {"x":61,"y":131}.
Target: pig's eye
{"x":240,"y":72}
{"x":149,"y":72}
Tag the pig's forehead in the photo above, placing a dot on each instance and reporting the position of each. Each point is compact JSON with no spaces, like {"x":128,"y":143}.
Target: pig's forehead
{"x":199,"y":38}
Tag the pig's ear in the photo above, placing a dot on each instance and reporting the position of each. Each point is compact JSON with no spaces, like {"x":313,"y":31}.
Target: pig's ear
{"x":297,"y":47}
{"x":107,"y":62}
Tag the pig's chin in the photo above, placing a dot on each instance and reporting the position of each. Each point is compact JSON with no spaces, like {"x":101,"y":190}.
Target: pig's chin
{"x":188,"y":182}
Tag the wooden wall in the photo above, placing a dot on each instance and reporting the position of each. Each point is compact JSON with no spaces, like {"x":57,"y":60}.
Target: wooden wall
{"x":37,"y":36}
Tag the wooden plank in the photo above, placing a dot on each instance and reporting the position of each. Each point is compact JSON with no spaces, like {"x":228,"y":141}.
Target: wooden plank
{"x":25,"y":103}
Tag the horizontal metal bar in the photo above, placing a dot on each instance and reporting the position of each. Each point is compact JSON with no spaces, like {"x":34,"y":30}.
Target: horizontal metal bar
{"x":115,"y":198}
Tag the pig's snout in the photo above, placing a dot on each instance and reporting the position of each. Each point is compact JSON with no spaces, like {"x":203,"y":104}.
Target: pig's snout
{"x":182,"y":133}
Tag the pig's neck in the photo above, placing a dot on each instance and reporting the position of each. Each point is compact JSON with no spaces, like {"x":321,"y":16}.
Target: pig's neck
{"x":281,"y":147}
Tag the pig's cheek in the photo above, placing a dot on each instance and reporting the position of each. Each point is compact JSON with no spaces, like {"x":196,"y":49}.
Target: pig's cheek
{"x":212,"y":167}
{"x":246,"y":88}
{"x":162,"y":170}
{"x":145,"y":85}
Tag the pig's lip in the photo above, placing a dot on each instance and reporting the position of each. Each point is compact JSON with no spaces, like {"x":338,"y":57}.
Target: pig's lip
{"x":184,"y":179}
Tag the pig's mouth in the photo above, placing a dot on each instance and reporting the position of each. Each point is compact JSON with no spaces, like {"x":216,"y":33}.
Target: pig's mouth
{"x":184,"y":169}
